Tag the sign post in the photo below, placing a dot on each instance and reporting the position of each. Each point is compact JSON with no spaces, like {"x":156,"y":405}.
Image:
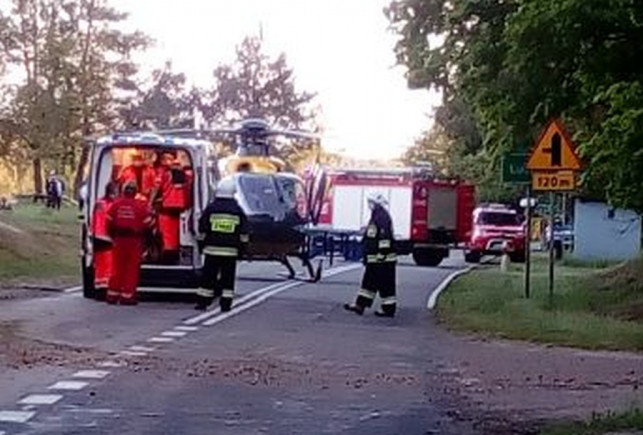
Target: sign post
{"x":528,"y":246}
{"x":553,"y":164}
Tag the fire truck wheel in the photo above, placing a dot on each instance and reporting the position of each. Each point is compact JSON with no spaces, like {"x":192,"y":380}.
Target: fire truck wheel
{"x":472,"y":257}
{"x":428,"y":257}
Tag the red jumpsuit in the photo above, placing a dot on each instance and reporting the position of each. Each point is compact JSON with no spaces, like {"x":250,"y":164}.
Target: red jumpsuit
{"x":103,"y":245}
{"x":129,"y":219}
{"x":144,"y":176}
{"x":174,"y":200}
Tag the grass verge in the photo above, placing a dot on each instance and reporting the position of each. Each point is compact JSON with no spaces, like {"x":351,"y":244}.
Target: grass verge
{"x":601,"y":424}
{"x":45,"y":245}
{"x":593,"y":308}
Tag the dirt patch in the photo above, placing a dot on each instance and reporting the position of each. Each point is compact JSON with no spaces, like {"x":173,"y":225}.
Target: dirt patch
{"x":19,"y":352}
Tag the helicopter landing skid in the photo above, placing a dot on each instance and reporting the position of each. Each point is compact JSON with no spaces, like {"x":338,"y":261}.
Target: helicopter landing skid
{"x":314,"y":275}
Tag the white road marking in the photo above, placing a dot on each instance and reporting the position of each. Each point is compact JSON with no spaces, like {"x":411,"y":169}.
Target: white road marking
{"x":142,"y":349}
{"x":160,"y":340}
{"x":110,"y":364}
{"x":186,"y":328}
{"x":2,"y":432}
{"x":16,"y":416}
{"x":91,"y":374}
{"x":265,"y":296}
{"x":73,"y":289}
{"x":175,"y":334}
{"x":210,"y":313}
{"x":69,"y":385}
{"x":132,"y":353}
{"x":433,"y":298}
{"x":40,"y":399}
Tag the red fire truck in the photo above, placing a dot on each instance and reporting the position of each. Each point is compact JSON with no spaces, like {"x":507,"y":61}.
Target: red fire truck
{"x":430,"y":214}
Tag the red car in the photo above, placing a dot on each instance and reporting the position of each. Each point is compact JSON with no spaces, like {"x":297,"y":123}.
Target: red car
{"x":493,"y":226}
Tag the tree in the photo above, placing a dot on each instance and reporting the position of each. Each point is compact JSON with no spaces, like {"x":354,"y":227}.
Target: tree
{"x":74,"y":63}
{"x":255,"y":86}
{"x":167,"y":103}
{"x":516,"y":64}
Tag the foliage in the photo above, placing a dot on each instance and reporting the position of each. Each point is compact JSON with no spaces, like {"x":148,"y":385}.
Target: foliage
{"x":255,"y":86}
{"x":513,"y":65}
{"x":593,"y":308}
{"x":601,"y":424}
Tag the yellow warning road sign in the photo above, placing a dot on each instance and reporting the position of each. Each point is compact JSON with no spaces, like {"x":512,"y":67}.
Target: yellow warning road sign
{"x":554,"y":151}
{"x":553,"y":181}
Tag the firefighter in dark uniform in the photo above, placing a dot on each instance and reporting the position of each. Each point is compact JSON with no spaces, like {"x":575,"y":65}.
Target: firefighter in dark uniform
{"x":223,"y":232}
{"x":380,"y":260}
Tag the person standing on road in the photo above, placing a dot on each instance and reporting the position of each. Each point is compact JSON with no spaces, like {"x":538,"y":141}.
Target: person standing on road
{"x":102,"y":240}
{"x":380,"y":260}
{"x":129,"y":220}
{"x":223,"y":232}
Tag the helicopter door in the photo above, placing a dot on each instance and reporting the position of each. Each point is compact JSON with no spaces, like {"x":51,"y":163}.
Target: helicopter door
{"x":317,"y":185}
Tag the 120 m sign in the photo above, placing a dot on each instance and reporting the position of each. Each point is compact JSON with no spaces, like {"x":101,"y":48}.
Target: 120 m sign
{"x":548,"y":181}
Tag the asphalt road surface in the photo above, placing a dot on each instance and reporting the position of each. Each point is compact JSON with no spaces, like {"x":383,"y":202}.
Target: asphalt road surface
{"x":287,"y":360}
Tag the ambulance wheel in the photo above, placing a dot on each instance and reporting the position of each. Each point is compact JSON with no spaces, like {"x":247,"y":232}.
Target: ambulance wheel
{"x":89,"y":291}
{"x":428,"y":257}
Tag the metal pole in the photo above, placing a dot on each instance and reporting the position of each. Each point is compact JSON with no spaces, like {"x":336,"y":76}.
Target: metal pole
{"x":528,"y":245}
{"x":551,"y":248}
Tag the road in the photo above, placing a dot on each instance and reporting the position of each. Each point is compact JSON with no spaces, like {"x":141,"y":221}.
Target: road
{"x":287,"y":360}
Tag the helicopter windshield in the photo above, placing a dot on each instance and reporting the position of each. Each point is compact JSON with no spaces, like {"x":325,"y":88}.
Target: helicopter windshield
{"x":260,"y":194}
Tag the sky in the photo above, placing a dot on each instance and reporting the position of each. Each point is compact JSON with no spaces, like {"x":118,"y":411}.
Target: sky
{"x":340,"y":49}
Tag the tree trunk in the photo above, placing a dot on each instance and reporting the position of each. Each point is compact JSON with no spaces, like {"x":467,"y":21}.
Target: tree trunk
{"x":80,"y":169}
{"x":37,"y":175}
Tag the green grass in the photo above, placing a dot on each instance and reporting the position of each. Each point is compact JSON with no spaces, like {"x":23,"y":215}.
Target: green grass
{"x":600,"y":424}
{"x":592,"y":308}
{"x":47,"y":248}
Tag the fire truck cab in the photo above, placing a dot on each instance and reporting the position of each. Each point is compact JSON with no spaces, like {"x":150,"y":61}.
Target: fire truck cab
{"x":109,"y":157}
{"x":430,"y":214}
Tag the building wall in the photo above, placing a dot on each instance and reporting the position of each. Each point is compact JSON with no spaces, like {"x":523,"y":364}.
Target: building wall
{"x":603,"y":233}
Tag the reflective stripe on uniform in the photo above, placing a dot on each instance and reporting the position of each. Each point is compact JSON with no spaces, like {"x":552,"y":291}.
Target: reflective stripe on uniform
{"x":205,"y":293}
{"x":227,"y":294}
{"x":221,"y":251}
{"x":391,"y":300}
{"x":224,"y":223}
{"x":371,"y":231}
{"x":366,"y":294}
{"x":390,"y":258}
{"x":384,"y":244}
{"x":372,"y":258}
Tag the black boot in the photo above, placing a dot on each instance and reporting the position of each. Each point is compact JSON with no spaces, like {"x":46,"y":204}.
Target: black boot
{"x":202,"y":304}
{"x":354,"y":308}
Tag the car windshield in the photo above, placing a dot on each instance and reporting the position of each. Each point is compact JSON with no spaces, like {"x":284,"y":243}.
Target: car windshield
{"x":260,"y":194}
{"x":498,"y":218}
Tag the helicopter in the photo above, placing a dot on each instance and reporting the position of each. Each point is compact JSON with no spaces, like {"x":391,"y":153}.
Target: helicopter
{"x":279,"y":203}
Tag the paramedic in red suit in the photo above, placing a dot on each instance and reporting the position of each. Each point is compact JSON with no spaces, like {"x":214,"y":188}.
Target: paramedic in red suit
{"x":103,"y":243}
{"x":174,"y":201}
{"x":142,"y":174}
{"x":129,"y":221}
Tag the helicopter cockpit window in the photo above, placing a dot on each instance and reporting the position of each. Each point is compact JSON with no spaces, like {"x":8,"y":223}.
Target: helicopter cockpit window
{"x":293,"y":195}
{"x":260,"y":194}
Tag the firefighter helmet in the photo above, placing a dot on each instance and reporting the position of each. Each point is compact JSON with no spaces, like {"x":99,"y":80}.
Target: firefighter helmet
{"x":226,"y":188}
{"x":377,"y":199}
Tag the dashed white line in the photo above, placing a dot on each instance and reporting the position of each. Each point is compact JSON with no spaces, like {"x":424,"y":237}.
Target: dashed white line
{"x":69,"y":385}
{"x":142,"y":349}
{"x":160,"y":340}
{"x":176,"y":334}
{"x":40,"y":399}
{"x":132,"y":353}
{"x":16,"y":416}
{"x":110,"y":364}
{"x":91,"y":374}
{"x":186,"y":328}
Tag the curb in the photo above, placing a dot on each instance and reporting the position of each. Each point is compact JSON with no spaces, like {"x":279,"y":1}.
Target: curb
{"x":433,"y":299}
